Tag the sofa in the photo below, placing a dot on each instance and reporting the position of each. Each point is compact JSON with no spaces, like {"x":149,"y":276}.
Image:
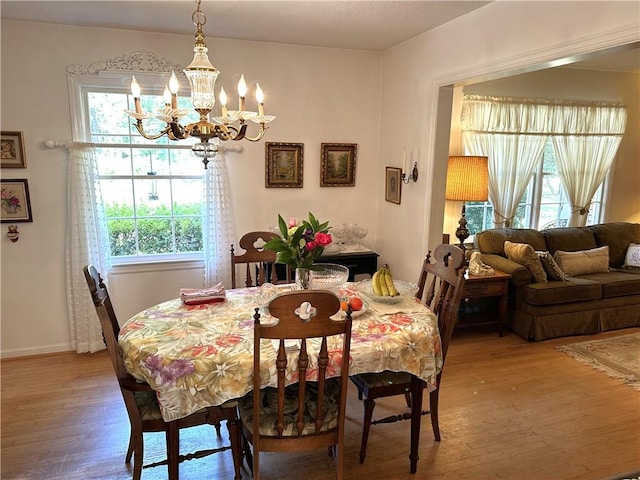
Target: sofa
{"x":598,"y":289}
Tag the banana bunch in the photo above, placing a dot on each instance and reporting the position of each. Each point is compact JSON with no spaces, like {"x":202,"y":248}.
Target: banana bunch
{"x":382,"y":283}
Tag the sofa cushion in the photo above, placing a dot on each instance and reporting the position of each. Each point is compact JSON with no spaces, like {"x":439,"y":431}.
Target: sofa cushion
{"x":552,"y":269}
{"x":568,"y":239}
{"x":555,"y":293}
{"x":632,"y":256}
{"x":616,"y":284}
{"x":618,"y":235}
{"x":524,"y":254}
{"x":492,"y":240}
{"x":583,"y":262}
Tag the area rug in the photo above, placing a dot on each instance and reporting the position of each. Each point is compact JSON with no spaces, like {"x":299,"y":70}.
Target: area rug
{"x":618,"y":357}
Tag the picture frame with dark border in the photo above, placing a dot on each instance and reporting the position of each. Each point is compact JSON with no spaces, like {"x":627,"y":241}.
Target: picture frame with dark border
{"x":393,"y":185}
{"x":12,"y":150}
{"x":338,"y":165}
{"x":15,"y":204}
{"x":283,"y":165}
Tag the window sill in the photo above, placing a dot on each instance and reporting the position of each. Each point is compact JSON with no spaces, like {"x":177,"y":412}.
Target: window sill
{"x":157,"y":266}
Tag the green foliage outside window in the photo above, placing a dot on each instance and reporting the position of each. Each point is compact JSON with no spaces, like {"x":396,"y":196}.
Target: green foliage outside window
{"x":152,"y":230}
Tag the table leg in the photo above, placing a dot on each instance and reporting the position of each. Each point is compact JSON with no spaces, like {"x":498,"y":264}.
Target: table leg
{"x":502,"y":312}
{"x":416,"y":416}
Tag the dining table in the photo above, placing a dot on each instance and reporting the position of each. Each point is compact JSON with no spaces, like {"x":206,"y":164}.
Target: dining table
{"x":201,"y":355}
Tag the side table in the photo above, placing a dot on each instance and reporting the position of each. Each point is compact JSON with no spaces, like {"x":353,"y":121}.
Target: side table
{"x":357,"y":261}
{"x":496,"y":285}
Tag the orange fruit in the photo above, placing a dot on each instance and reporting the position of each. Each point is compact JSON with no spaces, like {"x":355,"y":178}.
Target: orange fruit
{"x":356,"y":304}
{"x":344,"y":306}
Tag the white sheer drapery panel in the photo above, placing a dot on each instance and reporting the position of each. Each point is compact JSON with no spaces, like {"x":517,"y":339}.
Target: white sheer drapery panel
{"x":583,"y":163}
{"x":87,"y":242}
{"x":585,"y":149}
{"x":513,"y":159}
{"x":496,"y":128}
{"x":218,"y":228}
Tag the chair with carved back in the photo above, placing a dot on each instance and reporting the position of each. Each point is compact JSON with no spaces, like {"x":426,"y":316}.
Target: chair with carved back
{"x":257,"y":260}
{"x":142,"y":404}
{"x":309,"y":414}
{"x":440,"y":287}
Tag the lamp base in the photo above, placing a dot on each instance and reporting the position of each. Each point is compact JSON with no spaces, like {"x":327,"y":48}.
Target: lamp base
{"x":462,"y":232}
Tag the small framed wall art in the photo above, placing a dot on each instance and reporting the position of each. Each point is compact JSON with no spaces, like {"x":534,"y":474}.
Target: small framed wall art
{"x":12,"y":150}
{"x":338,"y":166}
{"x":393,"y":185}
{"x":15,"y":204}
{"x":283,"y":165}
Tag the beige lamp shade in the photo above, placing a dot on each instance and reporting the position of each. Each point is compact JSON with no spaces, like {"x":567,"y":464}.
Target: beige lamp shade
{"x":467,"y":179}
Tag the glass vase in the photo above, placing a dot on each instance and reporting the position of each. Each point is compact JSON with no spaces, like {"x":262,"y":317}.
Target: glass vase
{"x":303,"y":279}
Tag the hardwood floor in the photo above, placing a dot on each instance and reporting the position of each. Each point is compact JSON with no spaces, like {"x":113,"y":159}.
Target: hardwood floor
{"x":508,"y":410}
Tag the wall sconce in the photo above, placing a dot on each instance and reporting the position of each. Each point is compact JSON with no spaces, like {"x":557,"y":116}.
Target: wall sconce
{"x":467,"y":181}
{"x":13,"y":233}
{"x":406,"y":177}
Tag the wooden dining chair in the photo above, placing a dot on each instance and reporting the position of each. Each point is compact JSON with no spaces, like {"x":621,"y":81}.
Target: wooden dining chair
{"x":142,"y":404}
{"x":309,"y":414}
{"x":262,"y":262}
{"x":440,"y":287}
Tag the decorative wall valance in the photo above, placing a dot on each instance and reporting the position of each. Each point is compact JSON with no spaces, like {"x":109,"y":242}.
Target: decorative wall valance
{"x":140,"y":61}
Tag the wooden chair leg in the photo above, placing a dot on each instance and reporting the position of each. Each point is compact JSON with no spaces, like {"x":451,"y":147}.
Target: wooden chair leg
{"x":433,"y":407}
{"x":173,"y":449}
{"x":136,"y":449}
{"x":369,"y":405}
{"x":246,"y":448}
{"x":127,"y":459}
{"x":236,"y":445}
{"x":407,"y":398}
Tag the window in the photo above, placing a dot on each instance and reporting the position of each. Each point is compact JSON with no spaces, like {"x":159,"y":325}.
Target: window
{"x":543,"y":205}
{"x":152,"y":191}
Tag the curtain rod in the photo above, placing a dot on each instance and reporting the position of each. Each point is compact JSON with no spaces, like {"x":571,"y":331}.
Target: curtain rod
{"x":49,"y":143}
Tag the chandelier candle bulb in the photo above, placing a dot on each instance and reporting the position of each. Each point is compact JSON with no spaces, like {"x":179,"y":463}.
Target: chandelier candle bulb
{"x":167,"y":97}
{"x":173,"y":88}
{"x":242,"y":92}
{"x":260,"y":99}
{"x":135,"y":91}
{"x":223,"y":102}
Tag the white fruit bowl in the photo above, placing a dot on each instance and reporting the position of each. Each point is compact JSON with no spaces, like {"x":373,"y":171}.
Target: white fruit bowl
{"x":405,"y":289}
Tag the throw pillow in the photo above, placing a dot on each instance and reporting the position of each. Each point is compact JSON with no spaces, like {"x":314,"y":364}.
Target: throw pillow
{"x":524,"y":254}
{"x":583,"y":262}
{"x":632,"y":257}
{"x":554,"y":272}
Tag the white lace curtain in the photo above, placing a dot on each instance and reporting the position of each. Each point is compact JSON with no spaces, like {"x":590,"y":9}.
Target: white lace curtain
{"x":87,"y":242}
{"x":512,"y":132}
{"x":218,"y":230}
{"x":585,"y":149}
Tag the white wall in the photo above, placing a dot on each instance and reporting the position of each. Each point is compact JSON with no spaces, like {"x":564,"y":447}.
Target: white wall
{"x":382,"y":103}
{"x":319,"y":95}
{"x":503,"y":38}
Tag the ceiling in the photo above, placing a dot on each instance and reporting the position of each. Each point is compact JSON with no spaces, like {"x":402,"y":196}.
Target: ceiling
{"x":363,"y":25}
{"x":360,"y":24}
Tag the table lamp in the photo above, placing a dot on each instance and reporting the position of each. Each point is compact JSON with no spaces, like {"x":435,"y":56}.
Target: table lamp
{"x":467,"y":181}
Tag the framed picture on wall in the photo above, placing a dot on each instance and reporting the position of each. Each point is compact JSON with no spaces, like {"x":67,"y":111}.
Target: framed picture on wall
{"x":393,"y":185}
{"x":283,"y":165}
{"x":15,"y":204}
{"x":12,"y":150}
{"x":338,"y":166}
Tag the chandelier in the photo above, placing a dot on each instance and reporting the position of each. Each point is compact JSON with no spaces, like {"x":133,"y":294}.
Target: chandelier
{"x":230,"y":125}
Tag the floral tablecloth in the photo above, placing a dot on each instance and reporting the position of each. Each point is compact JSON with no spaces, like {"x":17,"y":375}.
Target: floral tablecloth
{"x":202,"y":355}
